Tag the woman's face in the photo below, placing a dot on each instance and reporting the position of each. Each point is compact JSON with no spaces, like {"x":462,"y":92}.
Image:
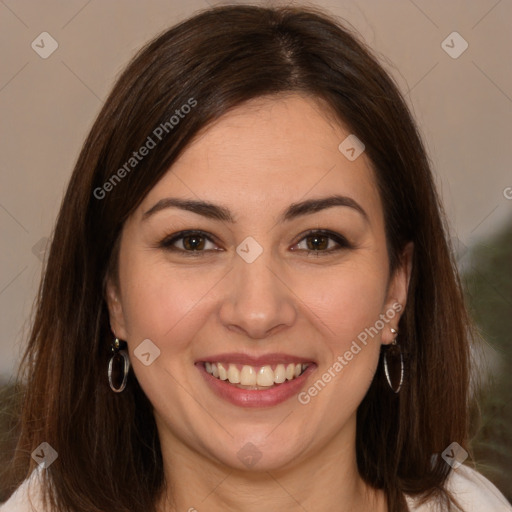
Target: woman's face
{"x":246,"y":293}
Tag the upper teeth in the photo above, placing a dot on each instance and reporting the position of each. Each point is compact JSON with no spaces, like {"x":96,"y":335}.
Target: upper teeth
{"x":255,"y":376}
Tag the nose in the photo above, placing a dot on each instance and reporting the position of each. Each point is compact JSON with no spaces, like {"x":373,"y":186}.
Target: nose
{"x":257,"y":301}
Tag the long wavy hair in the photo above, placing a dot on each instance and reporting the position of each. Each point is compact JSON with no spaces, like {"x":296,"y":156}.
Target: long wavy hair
{"x":109,"y":456}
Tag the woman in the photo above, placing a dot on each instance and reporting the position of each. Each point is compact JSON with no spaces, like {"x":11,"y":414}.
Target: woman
{"x":249,"y":301}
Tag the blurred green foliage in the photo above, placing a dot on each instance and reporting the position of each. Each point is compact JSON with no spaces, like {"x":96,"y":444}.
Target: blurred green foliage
{"x":488,"y":287}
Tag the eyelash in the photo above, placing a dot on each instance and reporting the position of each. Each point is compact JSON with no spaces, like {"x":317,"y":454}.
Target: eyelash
{"x":167,"y":242}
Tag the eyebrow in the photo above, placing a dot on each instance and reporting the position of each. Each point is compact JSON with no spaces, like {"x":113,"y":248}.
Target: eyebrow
{"x":217,"y":212}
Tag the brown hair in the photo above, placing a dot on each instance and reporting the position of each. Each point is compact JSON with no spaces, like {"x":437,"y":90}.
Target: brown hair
{"x":108,"y":446}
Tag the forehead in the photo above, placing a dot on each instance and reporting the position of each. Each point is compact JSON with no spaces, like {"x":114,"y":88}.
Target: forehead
{"x":272,"y":151}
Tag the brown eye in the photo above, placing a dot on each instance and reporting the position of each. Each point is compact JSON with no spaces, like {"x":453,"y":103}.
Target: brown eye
{"x":188,"y":242}
{"x":316,"y":242}
{"x":193,"y":242}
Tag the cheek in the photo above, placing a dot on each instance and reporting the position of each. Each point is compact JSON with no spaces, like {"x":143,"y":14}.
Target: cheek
{"x":346,"y":310}
{"x":162,"y":303}
{"x":347,"y":299}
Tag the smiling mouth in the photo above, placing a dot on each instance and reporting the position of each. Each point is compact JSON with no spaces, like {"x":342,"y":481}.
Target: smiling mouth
{"x":255,"y":377}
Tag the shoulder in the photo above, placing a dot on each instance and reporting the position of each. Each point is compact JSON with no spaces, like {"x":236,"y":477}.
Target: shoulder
{"x":27,"y":497}
{"x":472,"y":490}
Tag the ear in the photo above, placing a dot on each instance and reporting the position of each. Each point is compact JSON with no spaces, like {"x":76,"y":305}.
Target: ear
{"x":115,"y":310}
{"x":397,"y":293}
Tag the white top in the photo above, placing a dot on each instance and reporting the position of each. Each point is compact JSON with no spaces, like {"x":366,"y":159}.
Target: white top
{"x":471,"y":489}
{"x":474,"y":492}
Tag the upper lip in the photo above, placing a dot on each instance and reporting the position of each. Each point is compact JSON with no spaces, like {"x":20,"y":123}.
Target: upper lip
{"x":262,"y":360}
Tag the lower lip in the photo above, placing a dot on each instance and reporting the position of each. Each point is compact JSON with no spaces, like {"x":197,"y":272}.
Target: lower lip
{"x":253,"y":397}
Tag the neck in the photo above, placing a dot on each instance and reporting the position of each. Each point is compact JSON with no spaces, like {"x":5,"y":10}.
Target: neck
{"x":325,"y":480}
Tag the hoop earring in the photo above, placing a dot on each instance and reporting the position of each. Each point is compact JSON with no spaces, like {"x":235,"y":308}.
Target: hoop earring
{"x":119,"y":355}
{"x":396,"y":351}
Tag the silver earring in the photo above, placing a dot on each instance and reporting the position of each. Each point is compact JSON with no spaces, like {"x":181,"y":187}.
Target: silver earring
{"x":120,"y":359}
{"x":396,"y":352}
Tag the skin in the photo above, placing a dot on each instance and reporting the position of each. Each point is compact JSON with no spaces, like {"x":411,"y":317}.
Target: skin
{"x":256,"y":161}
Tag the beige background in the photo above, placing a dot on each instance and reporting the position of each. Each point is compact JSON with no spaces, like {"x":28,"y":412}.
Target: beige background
{"x":463,"y":106}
